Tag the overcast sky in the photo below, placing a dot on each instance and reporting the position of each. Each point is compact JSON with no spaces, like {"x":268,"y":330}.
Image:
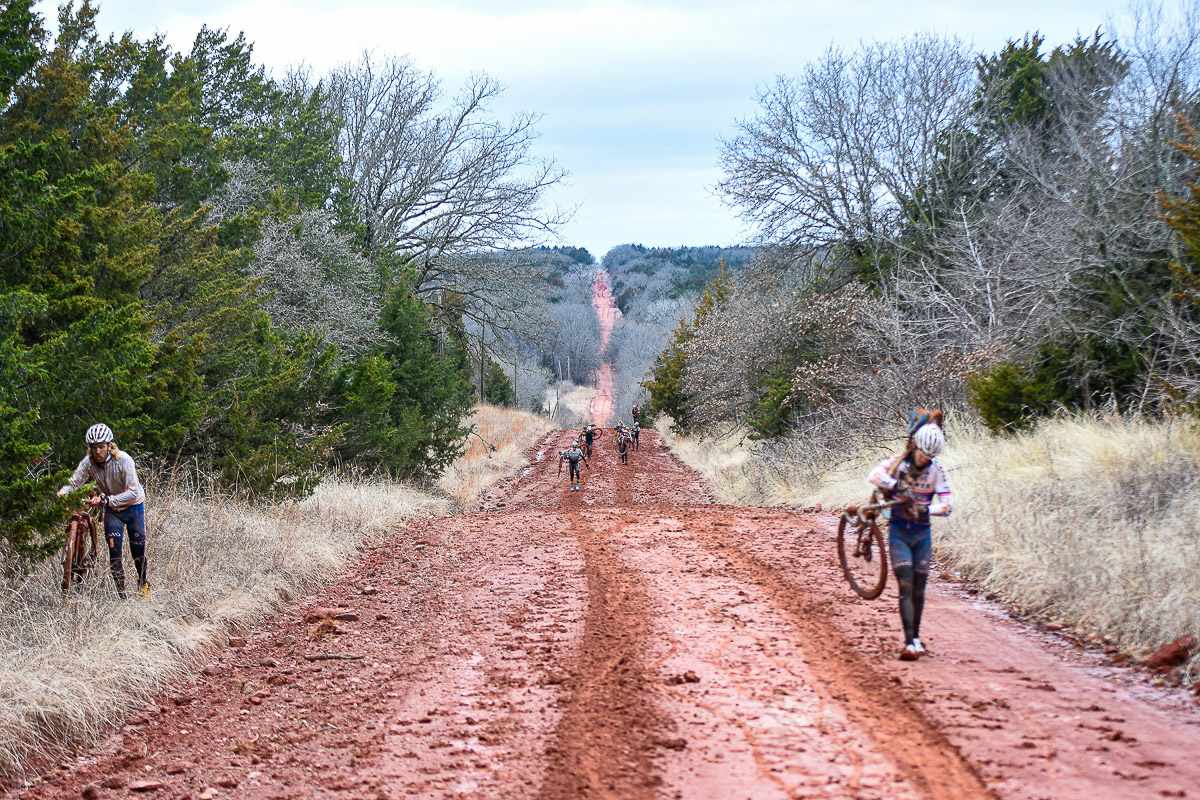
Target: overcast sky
{"x":634,"y":95}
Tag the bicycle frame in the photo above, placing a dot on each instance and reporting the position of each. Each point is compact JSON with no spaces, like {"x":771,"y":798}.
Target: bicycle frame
{"x":75,"y":563}
{"x":861,"y":515}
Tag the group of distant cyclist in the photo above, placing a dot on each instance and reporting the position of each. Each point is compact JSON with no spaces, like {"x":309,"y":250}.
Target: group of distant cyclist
{"x":625,"y":438}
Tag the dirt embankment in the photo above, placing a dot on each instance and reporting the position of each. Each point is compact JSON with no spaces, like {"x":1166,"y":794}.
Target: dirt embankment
{"x":633,"y":640}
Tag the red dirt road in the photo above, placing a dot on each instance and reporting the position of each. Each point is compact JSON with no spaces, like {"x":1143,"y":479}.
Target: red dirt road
{"x":632,"y":640}
{"x":601,"y":409}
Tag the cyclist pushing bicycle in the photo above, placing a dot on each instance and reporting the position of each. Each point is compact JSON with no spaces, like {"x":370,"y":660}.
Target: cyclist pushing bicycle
{"x":915,"y":479}
{"x":123,"y":499}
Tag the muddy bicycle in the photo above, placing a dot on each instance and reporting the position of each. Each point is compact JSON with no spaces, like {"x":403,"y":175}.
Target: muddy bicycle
{"x":862,"y":550}
{"x":76,"y":560}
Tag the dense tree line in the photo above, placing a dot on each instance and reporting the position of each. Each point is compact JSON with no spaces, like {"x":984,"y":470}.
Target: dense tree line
{"x":260,"y":277}
{"x":645,"y":275}
{"x":1008,"y":230}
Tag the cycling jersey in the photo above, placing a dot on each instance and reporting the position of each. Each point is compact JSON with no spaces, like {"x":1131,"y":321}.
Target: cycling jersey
{"x":116,"y":478}
{"x":924,"y":484}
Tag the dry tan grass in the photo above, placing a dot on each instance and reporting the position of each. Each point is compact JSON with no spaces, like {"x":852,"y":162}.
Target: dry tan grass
{"x":742,"y":471}
{"x":1090,"y":522}
{"x":571,"y":404}
{"x":511,"y":433}
{"x":70,"y":671}
{"x":727,"y":463}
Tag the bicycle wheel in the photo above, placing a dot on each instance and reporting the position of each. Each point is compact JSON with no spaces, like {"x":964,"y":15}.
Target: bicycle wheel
{"x":863,"y":556}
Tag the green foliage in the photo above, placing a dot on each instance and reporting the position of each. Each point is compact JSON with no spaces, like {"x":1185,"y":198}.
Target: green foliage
{"x":363,"y":394}
{"x":270,"y":439}
{"x":30,"y":512}
{"x":120,"y":303}
{"x":20,"y":36}
{"x":78,"y":229}
{"x":498,"y":387}
{"x":1009,"y":399}
{"x":1012,"y":83}
{"x":666,"y":385}
{"x":403,"y":406}
{"x":716,"y":293}
{"x":1067,"y":374}
{"x":773,"y":414}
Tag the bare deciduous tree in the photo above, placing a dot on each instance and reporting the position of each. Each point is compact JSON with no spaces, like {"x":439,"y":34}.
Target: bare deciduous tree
{"x":832,"y":155}
{"x":435,"y":181}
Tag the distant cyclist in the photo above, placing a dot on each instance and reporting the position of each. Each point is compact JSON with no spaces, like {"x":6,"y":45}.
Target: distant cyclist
{"x":637,"y":415}
{"x":915,"y":477}
{"x":634,"y":432}
{"x":572,"y":456}
{"x":623,"y":442}
{"x":590,"y":432}
{"x":123,"y":499}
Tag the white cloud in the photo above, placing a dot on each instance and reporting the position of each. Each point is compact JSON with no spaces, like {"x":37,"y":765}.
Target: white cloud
{"x":624,"y":86}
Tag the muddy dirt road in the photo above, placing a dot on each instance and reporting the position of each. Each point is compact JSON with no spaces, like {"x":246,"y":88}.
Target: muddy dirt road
{"x":604,"y":379}
{"x":631,"y":640}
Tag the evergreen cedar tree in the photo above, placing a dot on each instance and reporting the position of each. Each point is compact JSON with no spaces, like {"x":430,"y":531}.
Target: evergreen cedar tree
{"x":120,"y":302}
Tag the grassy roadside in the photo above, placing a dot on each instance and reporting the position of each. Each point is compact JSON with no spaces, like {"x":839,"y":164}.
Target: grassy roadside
{"x":1086,"y":522}
{"x":70,"y":672}
{"x":495,"y":453}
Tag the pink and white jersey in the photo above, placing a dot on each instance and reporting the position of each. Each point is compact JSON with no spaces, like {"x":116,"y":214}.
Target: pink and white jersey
{"x":929,"y":486}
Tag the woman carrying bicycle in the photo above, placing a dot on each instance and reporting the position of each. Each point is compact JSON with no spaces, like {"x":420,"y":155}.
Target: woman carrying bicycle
{"x":623,"y":447}
{"x":590,"y":432}
{"x":123,"y":499}
{"x":915,"y":477}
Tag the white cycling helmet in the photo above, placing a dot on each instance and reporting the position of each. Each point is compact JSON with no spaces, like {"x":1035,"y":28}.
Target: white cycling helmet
{"x":929,"y":439}
{"x":98,"y":434}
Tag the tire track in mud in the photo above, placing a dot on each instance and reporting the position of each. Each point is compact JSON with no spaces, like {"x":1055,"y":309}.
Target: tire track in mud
{"x":744,"y":678}
{"x":915,"y":743}
{"x":603,"y":743}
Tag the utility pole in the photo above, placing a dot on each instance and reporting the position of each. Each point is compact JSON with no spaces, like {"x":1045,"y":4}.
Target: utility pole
{"x":557,"y":388}
{"x":482,"y":359}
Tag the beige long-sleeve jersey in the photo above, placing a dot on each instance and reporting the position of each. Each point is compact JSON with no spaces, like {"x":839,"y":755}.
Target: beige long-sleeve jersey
{"x":117,"y":478}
